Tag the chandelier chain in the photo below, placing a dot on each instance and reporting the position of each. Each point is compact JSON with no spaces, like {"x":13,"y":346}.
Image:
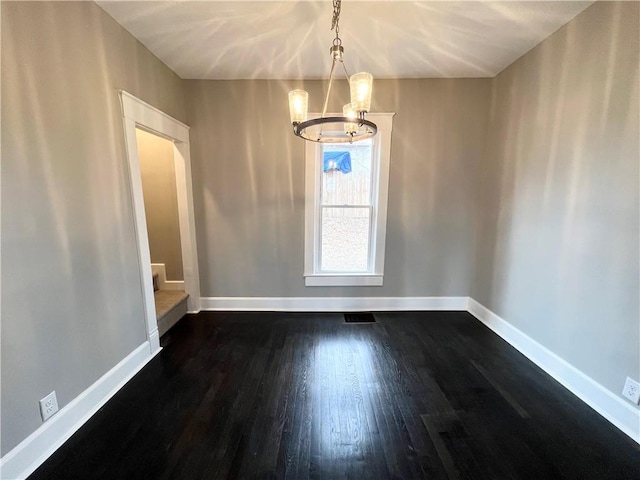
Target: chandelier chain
{"x":335,"y":22}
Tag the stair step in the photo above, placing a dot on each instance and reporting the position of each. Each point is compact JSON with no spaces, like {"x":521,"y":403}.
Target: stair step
{"x":171,"y":306}
{"x":166,"y":300}
{"x":155,"y":282}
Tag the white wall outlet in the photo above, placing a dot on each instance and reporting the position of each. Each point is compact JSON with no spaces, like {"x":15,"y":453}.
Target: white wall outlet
{"x":48,"y":406}
{"x":632,"y":390}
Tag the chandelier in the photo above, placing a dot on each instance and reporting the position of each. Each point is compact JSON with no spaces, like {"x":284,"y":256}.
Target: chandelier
{"x":352,"y":125}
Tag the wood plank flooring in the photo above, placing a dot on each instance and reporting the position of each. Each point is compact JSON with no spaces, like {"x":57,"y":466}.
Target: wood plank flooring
{"x":288,"y":395}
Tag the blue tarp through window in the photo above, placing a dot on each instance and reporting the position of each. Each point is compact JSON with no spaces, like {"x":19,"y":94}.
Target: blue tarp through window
{"x":337,"y":161}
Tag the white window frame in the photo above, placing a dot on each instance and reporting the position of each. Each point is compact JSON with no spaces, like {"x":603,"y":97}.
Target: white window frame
{"x":313,"y":277}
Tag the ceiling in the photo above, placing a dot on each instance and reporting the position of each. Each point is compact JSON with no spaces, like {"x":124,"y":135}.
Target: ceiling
{"x":291,"y":39}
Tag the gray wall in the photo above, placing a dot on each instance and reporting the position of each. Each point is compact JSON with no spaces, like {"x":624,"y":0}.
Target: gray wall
{"x":160,"y":202}
{"x":248,"y":172}
{"x":558,"y":229}
{"x":71,"y":294}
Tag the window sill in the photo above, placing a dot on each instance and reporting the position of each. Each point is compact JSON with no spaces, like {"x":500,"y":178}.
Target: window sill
{"x":351,"y":280}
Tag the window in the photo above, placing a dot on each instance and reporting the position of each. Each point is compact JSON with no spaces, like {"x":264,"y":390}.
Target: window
{"x":346,"y":209}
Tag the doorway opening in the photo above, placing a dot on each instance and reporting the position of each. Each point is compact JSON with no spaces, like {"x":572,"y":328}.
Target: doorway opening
{"x":142,"y":121}
{"x":157,"y":169}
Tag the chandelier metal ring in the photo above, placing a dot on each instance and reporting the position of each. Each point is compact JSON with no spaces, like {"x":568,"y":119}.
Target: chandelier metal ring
{"x":300,"y":130}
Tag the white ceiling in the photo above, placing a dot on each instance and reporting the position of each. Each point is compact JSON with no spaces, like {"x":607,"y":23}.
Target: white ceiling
{"x":291,"y":39}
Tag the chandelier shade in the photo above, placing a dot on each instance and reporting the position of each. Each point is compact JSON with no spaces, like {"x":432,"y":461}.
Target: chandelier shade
{"x":298,"y":105}
{"x":361,"y":86}
{"x":350,"y":112}
{"x":352,"y":125}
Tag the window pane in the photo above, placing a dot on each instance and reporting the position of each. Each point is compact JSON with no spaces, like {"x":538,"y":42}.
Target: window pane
{"x":346,"y":173}
{"x":345,"y":239}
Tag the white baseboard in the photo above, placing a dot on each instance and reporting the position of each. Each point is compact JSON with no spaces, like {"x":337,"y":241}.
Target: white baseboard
{"x":615,"y":409}
{"x":29,"y":454}
{"x":332,"y":304}
{"x":154,"y":342}
{"x":173,"y":285}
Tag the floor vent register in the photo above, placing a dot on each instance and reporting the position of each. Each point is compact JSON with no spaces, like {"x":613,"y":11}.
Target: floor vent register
{"x":365,"y":317}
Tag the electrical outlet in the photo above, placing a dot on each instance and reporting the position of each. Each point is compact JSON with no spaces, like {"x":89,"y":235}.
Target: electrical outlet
{"x":632,"y":390}
{"x":48,"y":406}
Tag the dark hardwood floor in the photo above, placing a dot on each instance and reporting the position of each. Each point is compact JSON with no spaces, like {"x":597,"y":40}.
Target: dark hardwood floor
{"x":285,"y":395}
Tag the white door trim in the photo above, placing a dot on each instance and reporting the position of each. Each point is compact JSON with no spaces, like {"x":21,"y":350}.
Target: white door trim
{"x":137,"y":113}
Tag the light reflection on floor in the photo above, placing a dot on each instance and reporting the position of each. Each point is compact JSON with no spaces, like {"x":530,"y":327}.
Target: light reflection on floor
{"x":343,"y":381}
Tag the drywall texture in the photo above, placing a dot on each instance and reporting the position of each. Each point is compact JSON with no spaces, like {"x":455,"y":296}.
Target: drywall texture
{"x":558,"y":226}
{"x":248,"y":181}
{"x":160,"y":201}
{"x":71,"y":292}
